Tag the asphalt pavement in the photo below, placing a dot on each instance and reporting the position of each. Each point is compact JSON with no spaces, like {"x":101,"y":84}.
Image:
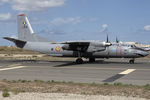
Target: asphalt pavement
{"x":111,"y":71}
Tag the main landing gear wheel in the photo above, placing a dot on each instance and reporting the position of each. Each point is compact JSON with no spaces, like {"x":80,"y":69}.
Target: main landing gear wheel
{"x":91,"y":59}
{"x":79,"y":61}
{"x":131,"y":61}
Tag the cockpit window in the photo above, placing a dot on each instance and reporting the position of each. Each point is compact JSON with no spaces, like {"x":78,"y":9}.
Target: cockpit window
{"x":133,"y":46}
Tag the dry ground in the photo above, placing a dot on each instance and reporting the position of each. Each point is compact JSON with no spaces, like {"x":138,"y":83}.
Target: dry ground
{"x":64,"y":96}
{"x":14,"y":53}
{"x":15,"y":50}
{"x":38,"y":86}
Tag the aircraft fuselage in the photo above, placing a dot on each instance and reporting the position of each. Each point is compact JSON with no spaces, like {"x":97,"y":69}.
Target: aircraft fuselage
{"x":114,"y":51}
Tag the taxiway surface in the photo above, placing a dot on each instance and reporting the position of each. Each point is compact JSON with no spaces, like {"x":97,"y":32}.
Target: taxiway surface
{"x":99,"y":72}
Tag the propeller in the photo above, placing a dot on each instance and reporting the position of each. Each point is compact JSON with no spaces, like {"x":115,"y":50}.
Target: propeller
{"x":107,"y":39}
{"x":117,"y":41}
{"x":108,"y":43}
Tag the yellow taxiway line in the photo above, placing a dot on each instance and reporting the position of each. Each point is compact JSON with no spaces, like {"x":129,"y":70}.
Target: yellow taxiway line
{"x":127,"y":71}
{"x":118,"y":76}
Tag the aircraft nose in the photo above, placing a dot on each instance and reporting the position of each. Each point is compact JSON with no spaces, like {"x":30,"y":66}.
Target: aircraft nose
{"x":142,"y":53}
{"x":145,"y":53}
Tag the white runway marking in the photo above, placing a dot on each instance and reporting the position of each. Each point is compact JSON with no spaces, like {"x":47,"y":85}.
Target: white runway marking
{"x":13,"y":65}
{"x":17,"y":67}
{"x":127,"y":71}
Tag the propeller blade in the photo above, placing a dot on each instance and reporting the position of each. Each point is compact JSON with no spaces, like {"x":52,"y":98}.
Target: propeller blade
{"x":117,"y":41}
{"x":107,"y":39}
{"x":108,"y":43}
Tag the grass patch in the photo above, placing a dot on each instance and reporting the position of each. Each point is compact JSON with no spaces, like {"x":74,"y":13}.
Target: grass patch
{"x":5,"y":93}
{"x":147,"y":86}
{"x":38,"y":81}
{"x":59,"y":90}
{"x":118,"y":84}
{"x":106,"y":83}
{"x":52,"y":81}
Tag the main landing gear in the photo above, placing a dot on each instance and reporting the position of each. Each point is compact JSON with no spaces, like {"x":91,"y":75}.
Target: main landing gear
{"x":131,"y":61}
{"x":79,"y":61}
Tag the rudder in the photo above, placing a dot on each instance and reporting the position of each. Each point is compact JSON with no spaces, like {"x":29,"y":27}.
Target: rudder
{"x":25,"y":31}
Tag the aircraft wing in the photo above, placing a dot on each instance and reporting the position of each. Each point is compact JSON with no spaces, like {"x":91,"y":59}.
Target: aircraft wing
{"x":85,"y":46}
{"x":77,"y":43}
{"x":76,"y":46}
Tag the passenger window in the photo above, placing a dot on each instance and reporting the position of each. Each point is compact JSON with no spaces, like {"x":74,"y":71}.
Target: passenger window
{"x":52,"y":49}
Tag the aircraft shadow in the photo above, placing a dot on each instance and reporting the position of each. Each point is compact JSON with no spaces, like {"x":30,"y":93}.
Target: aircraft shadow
{"x":71,"y":63}
{"x":67,"y":64}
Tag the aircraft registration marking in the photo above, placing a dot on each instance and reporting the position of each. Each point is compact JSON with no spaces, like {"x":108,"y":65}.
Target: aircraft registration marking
{"x":24,"y":22}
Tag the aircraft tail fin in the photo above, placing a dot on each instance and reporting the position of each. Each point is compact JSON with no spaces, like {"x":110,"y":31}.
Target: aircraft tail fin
{"x":25,"y":31}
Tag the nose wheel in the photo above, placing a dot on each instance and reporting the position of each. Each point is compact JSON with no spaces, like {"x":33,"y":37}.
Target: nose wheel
{"x":79,"y":61}
{"x":131,"y":61}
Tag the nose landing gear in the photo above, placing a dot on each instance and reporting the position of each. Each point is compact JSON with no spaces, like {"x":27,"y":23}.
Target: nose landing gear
{"x":131,"y":61}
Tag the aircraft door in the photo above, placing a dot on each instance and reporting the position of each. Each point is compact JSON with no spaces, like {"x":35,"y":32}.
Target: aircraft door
{"x":125,"y":51}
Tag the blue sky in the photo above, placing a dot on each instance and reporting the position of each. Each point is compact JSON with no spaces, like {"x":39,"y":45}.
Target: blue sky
{"x":64,"y":20}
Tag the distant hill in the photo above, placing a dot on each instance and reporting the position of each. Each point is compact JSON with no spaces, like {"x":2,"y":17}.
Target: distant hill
{"x":15,"y":50}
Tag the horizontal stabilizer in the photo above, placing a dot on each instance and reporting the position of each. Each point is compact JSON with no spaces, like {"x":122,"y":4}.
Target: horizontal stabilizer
{"x":19,"y":43}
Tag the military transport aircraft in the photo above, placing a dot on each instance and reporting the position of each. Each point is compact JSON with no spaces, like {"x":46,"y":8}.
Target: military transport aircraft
{"x":80,"y":49}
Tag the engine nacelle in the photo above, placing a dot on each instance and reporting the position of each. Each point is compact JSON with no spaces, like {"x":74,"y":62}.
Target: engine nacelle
{"x":66,"y":47}
{"x":91,"y":47}
{"x":100,"y":44}
{"x":96,"y":49}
